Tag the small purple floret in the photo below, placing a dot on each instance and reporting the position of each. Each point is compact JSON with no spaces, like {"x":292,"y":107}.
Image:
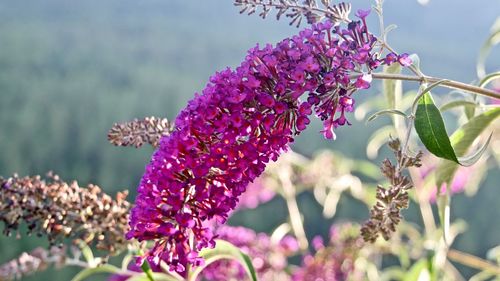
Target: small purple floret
{"x":362,"y":14}
{"x":404,"y":59}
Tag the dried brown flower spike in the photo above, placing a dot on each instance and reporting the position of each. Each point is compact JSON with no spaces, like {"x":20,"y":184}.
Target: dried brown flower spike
{"x":386,"y":213}
{"x":60,"y":210}
{"x":137,"y":132}
{"x":296,"y":11}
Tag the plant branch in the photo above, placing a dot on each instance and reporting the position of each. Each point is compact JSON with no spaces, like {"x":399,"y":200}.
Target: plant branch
{"x":293,"y":208}
{"x":147,"y":269}
{"x":423,"y":203}
{"x":449,"y":83}
{"x":472,"y":261}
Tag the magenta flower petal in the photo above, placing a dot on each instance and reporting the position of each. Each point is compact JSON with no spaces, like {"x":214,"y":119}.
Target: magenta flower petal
{"x":405,"y":60}
{"x":362,"y":14}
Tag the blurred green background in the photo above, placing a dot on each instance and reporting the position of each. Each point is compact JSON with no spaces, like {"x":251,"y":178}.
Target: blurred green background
{"x":70,"y":69}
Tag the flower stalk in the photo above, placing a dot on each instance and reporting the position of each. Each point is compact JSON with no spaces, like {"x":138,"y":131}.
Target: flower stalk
{"x":448,"y":84}
{"x":293,"y":208}
{"x":472,"y":261}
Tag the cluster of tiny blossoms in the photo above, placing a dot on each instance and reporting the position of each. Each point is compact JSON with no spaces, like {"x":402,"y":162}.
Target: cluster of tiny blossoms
{"x":243,"y":119}
{"x":269,"y":258}
{"x":334,"y":261}
{"x":59,"y":210}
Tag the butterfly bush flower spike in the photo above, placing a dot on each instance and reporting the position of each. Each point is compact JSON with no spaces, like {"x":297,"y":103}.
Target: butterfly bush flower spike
{"x":243,"y":119}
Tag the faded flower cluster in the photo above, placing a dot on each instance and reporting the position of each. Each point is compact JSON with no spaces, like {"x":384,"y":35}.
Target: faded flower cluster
{"x":386,"y":213}
{"x":242,"y":120}
{"x":138,"y":132}
{"x":60,"y":210}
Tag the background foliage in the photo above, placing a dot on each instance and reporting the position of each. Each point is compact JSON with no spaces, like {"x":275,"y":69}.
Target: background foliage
{"x":69,"y":70}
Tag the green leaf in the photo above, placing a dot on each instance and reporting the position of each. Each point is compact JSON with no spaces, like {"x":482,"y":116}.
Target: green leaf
{"x":492,"y":40}
{"x":418,"y":98}
{"x":483,"y":276}
{"x":393,"y":273}
{"x":488,"y":78}
{"x":419,"y":271}
{"x":147,"y":270}
{"x":392,"y":88}
{"x":366,"y":168}
{"x":494,"y":254}
{"x":126,"y":260}
{"x":430,"y":128}
{"x":87,"y":253}
{"x":385,"y":112}
{"x":473,"y":158}
{"x":457,"y":103}
{"x":378,"y":139}
{"x":106,"y":268}
{"x":471,"y":111}
{"x":443,"y":202}
{"x":462,"y":139}
{"x":225,"y":250}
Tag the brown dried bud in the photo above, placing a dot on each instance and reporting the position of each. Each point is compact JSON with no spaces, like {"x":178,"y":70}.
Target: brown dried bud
{"x":137,"y":132}
{"x":386,"y":214}
{"x":387,"y":169}
{"x":394,"y":144}
{"x":414,"y":161}
{"x":60,"y":210}
{"x":312,"y":17}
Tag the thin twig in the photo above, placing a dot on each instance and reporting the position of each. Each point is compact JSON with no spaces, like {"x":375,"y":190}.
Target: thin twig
{"x":472,"y":261}
{"x":293,"y":208}
{"x":423,"y":203}
{"x":301,"y":7}
{"x":449,"y":84}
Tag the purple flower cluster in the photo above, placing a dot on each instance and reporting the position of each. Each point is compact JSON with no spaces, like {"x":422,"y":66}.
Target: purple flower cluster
{"x":243,"y":119}
{"x":269,"y":259}
{"x":334,"y":261}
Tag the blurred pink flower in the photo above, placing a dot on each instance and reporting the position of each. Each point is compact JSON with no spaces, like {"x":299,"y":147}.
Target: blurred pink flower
{"x":268,"y":258}
{"x":458,"y":184}
{"x":495,"y":87}
{"x":256,"y":194}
